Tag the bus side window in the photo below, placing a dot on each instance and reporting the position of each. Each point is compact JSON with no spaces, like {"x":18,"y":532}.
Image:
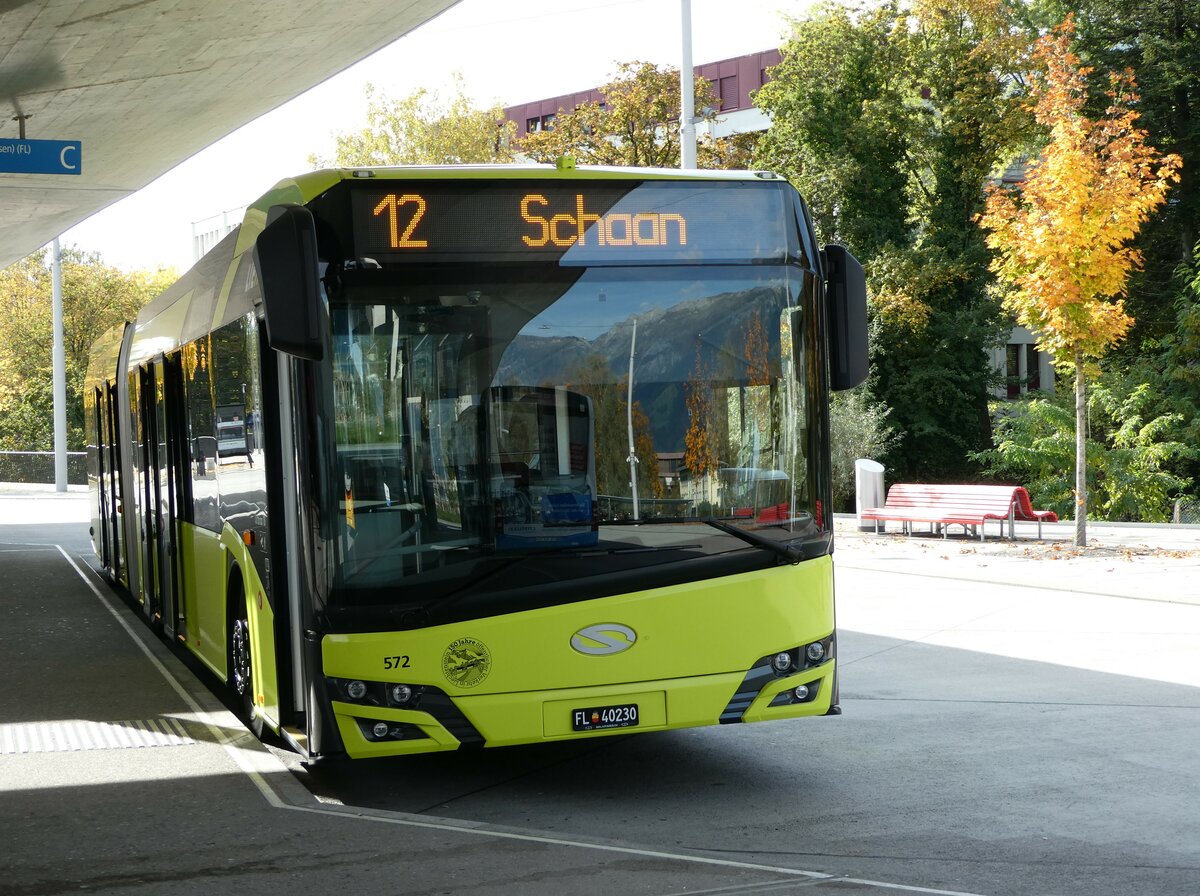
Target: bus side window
{"x":202,"y":436}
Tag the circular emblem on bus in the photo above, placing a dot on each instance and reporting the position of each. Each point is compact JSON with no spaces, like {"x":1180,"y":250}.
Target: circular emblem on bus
{"x":603,"y":638}
{"x":466,"y":662}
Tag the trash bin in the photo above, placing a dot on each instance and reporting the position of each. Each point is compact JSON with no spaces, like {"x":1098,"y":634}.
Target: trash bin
{"x":868,"y":490}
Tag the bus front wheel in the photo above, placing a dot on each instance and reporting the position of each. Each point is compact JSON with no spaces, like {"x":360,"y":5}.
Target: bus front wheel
{"x":241,"y":678}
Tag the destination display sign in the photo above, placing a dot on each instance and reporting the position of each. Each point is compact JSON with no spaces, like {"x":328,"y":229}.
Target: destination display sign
{"x":581,"y":222}
{"x":41,"y":156}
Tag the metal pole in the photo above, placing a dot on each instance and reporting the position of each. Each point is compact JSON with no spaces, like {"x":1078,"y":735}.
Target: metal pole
{"x":687,"y":92}
{"x":60,"y":375}
{"x":633,"y":461}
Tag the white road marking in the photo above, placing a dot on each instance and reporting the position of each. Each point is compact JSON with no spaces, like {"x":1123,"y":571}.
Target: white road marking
{"x":76,"y":735}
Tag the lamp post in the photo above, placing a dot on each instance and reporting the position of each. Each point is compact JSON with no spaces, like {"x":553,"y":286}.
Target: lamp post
{"x":59,"y":374}
{"x":687,"y":92}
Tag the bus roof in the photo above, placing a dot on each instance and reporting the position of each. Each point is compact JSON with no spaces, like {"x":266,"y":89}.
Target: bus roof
{"x":305,"y":187}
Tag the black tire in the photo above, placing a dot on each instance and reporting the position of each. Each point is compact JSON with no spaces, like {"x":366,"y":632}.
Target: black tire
{"x":241,"y":678}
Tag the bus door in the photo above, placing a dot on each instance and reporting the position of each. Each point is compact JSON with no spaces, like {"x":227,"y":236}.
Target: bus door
{"x":112,"y":483}
{"x":149,"y":493}
{"x":172,"y":473}
{"x":102,"y":471}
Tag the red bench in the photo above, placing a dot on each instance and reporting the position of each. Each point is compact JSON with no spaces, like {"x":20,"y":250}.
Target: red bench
{"x":969,"y":506}
{"x":1023,"y":510}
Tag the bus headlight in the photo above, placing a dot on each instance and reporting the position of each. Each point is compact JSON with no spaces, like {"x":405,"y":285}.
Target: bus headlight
{"x":815,"y":652}
{"x":376,"y":730}
{"x":782,"y":662}
{"x":376,"y":693}
{"x":400,"y":694}
{"x":801,"y":693}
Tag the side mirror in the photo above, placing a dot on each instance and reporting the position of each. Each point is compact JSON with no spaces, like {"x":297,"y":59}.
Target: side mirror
{"x":286,"y":254}
{"x":846,"y":313}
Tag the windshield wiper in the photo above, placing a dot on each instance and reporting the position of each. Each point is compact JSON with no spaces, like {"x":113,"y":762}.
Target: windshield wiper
{"x":791,"y":551}
{"x":507,"y":560}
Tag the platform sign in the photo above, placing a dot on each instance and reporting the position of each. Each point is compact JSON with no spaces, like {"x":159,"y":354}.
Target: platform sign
{"x":41,"y":156}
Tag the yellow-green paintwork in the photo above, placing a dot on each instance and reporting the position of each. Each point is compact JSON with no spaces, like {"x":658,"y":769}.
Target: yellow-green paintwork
{"x":202,"y":573}
{"x":261,"y":618}
{"x":714,"y":630}
{"x":438,"y":738}
{"x":205,"y":562}
{"x":762,"y":711}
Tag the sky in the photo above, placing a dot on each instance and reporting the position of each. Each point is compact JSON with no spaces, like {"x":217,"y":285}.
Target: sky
{"x":508,"y":51}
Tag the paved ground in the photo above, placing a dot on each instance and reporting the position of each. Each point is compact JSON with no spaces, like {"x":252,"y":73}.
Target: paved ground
{"x":1021,"y":718}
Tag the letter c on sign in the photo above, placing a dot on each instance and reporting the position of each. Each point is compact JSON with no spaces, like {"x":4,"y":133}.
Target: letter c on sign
{"x":62,"y":157}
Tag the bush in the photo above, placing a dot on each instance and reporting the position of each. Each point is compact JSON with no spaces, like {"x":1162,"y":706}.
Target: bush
{"x":1129,"y":458}
{"x":858,"y":429}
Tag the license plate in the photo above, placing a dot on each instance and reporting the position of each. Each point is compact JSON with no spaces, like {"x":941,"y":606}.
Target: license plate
{"x":622,"y":715}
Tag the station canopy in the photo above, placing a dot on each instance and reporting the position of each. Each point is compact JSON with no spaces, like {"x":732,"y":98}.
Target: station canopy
{"x":145,"y":84}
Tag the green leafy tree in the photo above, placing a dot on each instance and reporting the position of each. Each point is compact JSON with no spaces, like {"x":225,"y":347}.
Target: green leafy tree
{"x":967,"y":59}
{"x":970,"y":58}
{"x":841,"y":124}
{"x":1063,"y":237}
{"x":96,"y":297}
{"x":422,"y":129}
{"x":636,"y":125}
{"x":1136,"y":475}
{"x":889,"y":119}
{"x":929,"y":360}
{"x":1170,"y":368}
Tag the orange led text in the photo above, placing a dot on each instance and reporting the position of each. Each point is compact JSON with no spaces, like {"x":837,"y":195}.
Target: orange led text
{"x":569,"y":228}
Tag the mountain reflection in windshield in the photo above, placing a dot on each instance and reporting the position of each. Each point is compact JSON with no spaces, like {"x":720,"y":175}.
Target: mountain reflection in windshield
{"x":483,"y":417}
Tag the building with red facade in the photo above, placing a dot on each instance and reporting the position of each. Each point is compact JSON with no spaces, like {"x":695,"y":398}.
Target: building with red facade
{"x":733,"y":82}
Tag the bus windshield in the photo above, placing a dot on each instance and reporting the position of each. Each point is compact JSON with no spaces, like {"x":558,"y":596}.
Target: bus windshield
{"x":483,"y":416}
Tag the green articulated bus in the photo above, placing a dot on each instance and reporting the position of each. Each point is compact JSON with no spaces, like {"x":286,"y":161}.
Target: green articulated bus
{"x":435,"y":458}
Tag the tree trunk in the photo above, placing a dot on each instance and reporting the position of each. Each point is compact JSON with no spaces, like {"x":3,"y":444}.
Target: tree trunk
{"x":1080,"y":453}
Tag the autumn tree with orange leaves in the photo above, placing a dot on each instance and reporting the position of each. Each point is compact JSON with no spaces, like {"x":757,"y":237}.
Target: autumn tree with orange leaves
{"x":1062,"y":237}
{"x":701,"y":443}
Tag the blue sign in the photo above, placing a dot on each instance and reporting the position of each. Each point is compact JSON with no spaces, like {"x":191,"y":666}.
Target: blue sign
{"x":41,"y":157}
